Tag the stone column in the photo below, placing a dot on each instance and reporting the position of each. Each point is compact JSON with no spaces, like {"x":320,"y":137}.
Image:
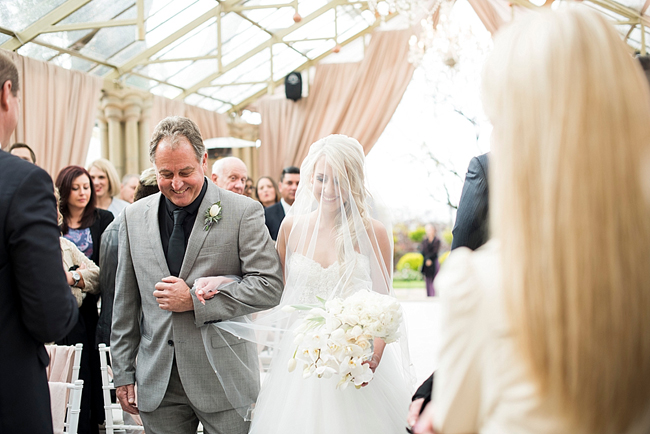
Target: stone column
{"x":145,"y":135}
{"x":132,"y":113}
{"x":103,"y":132}
{"x":113,"y":112}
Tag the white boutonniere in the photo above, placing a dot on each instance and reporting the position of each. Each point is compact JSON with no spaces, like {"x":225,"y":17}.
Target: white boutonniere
{"x":212,"y":215}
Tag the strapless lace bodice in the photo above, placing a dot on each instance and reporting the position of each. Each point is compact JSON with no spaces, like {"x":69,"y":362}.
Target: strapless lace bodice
{"x":312,"y":280}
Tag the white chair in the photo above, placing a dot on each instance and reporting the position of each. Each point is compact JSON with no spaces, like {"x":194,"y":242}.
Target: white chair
{"x":64,"y":377}
{"x":112,"y":426}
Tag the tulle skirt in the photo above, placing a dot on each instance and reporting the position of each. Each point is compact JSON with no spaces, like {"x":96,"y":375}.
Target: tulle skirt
{"x":290,"y":404}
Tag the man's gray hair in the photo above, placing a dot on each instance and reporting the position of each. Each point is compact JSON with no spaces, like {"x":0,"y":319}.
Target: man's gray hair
{"x":175,"y":127}
{"x":9,"y":72}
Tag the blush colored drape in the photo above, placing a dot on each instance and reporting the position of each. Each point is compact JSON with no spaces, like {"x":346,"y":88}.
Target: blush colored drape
{"x":356,"y":99}
{"x":211,"y":124}
{"x":58,"y":111}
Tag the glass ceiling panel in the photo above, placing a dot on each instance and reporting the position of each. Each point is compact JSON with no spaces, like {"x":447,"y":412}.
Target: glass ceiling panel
{"x":4,"y":38}
{"x":313,"y":49}
{"x":210,"y":104}
{"x":285,"y":60}
{"x":194,"y":73}
{"x":193,"y":99}
{"x":307,"y":7}
{"x":173,"y":22}
{"x":63,"y":39}
{"x":101,"y":10}
{"x":234,"y":94}
{"x":242,"y":44}
{"x":166,"y":91}
{"x":157,"y":5}
{"x":321,"y":27}
{"x":128,"y":52}
{"x":101,"y":70}
{"x":266,"y":2}
{"x":109,"y":41}
{"x":201,"y":42}
{"x":37,"y":52}
{"x":162,"y":71}
{"x":17,"y":15}
{"x":357,"y":27}
{"x":71,"y":62}
{"x":249,"y":65}
{"x":280,"y":19}
{"x":141,"y":82}
{"x":248,"y":93}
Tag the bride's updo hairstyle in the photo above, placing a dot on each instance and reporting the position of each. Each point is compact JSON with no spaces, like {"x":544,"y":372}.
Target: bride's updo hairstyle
{"x":570,"y":144}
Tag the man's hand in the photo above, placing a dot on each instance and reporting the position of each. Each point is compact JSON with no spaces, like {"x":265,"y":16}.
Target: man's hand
{"x":173,"y":294}
{"x":425,"y":423}
{"x":414,"y":411}
{"x":126,"y":396}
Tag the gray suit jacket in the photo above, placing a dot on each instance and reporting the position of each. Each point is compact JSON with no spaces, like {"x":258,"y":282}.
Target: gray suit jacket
{"x":238,"y":244}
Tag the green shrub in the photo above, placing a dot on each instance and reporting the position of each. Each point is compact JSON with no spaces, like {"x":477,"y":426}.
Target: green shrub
{"x":412,"y":261}
{"x":448,"y":236}
{"x":418,"y":234}
{"x":406,"y":274}
{"x":442,"y":258}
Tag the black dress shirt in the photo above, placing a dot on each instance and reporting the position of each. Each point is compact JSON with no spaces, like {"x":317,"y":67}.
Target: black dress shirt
{"x":166,"y":218}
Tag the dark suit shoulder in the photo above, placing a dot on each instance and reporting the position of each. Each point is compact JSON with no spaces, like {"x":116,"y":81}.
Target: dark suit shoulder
{"x":275,"y":210}
{"x":14,"y":171}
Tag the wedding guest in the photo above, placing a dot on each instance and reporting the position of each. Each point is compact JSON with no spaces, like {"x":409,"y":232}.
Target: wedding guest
{"x":23,"y":152}
{"x":429,"y":248}
{"x":288,"y":186}
{"x":107,"y":186}
{"x":147,"y":185}
{"x":266,"y":191}
{"x":230,"y":173}
{"x":248,"y":189}
{"x":83,"y":224}
{"x":36,"y":305}
{"x":541,"y":332}
{"x":129,"y":184}
{"x":82,"y":273}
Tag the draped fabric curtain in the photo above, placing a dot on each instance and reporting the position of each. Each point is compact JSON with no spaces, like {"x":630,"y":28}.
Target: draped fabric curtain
{"x":357,"y":99}
{"x":58,"y":111}
{"x":280,"y":131}
{"x":211,"y":124}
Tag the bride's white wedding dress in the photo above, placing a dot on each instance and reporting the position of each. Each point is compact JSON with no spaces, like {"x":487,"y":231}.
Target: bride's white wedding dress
{"x":290,"y":404}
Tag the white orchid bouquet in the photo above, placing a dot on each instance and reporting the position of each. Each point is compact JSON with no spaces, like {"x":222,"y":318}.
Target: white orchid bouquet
{"x":336,"y":337}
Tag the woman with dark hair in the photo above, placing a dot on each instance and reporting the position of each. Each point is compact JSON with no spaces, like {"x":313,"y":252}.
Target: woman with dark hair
{"x":266,"y":191}
{"x":83,"y":224}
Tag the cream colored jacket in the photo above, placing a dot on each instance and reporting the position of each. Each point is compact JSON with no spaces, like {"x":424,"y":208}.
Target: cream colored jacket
{"x":73,"y":256}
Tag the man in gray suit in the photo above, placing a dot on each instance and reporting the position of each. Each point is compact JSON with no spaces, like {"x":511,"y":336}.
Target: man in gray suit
{"x":165,"y":245}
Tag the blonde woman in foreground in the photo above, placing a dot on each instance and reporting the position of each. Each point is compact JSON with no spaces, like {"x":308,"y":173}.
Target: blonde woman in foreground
{"x":547,"y":328}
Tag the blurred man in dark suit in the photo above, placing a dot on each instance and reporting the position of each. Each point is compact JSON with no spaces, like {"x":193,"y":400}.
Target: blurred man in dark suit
{"x":36,"y":304}
{"x":288,"y":185}
{"x":470,"y":230}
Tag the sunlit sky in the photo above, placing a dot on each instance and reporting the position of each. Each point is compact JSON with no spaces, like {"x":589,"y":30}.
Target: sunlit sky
{"x":426,"y":124}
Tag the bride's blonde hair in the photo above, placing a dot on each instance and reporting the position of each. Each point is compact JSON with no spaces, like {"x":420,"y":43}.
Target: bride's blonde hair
{"x":346,"y":158}
{"x":571,"y":115}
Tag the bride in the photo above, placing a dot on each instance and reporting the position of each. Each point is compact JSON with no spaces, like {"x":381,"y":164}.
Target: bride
{"x":332,"y":244}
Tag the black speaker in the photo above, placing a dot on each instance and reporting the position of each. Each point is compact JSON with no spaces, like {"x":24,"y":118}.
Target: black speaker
{"x":293,"y":86}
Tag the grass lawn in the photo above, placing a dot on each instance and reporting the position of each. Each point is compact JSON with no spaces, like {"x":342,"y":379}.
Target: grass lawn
{"x":408,"y":284}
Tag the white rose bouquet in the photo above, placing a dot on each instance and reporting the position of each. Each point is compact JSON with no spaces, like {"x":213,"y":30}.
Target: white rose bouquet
{"x":335,"y":337}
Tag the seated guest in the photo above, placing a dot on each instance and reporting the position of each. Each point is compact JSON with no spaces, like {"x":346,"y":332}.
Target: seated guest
{"x":230,"y":173}
{"x":107,"y":186}
{"x":544,"y":329}
{"x":248,"y":189}
{"x":83,"y":224}
{"x":288,"y":186}
{"x":129,"y":184}
{"x":266,"y":191}
{"x":23,"y":152}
